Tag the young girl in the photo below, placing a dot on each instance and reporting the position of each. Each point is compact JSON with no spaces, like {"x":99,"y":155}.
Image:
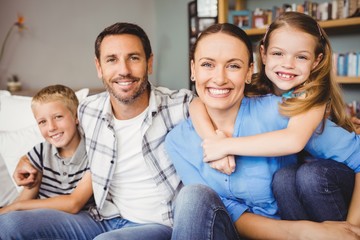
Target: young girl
{"x":221,"y":64}
{"x":295,"y":62}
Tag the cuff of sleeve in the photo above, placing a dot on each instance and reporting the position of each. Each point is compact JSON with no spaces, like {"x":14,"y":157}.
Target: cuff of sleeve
{"x":234,"y":208}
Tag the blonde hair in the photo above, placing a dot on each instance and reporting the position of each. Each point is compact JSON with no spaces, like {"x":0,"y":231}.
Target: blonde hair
{"x":321,"y":86}
{"x":57,"y":93}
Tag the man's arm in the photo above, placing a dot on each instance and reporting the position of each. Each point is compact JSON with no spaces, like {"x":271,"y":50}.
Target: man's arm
{"x":72,"y":203}
{"x":25,"y":173}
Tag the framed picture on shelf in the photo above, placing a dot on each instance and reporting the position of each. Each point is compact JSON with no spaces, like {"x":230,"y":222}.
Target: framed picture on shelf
{"x":241,"y":18}
{"x":260,"y":21}
{"x":261,"y":18}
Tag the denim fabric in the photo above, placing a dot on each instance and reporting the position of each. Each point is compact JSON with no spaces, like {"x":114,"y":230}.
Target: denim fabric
{"x":49,"y":224}
{"x":126,"y":230}
{"x":200,"y":214}
{"x":318,"y":190}
{"x":53,"y":224}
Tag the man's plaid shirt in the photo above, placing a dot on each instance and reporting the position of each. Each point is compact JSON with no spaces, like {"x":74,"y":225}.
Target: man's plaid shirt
{"x":166,"y":109}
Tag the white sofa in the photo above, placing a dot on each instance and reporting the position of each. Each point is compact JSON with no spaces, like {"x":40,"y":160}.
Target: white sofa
{"x":18,"y":134}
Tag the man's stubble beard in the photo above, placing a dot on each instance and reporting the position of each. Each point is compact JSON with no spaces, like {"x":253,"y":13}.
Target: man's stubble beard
{"x":143,"y":87}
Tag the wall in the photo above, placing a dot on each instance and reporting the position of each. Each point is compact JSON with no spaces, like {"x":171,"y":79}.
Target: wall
{"x":172,"y":44}
{"x":58,"y":44}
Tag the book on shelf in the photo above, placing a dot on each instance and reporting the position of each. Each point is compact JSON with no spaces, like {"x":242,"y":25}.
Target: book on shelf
{"x":347,"y":64}
{"x":330,"y":10}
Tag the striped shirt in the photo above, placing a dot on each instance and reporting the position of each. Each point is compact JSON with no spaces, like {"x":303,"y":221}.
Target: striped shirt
{"x":166,"y":109}
{"x":60,"y":175}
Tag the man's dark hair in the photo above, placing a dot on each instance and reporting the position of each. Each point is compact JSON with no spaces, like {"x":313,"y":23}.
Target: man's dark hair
{"x":124,"y":28}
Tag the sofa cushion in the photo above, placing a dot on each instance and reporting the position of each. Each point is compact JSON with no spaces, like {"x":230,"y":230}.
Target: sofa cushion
{"x":8,"y":191}
{"x":14,"y":144}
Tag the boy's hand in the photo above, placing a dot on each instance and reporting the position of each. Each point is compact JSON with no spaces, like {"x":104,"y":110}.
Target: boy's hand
{"x":25,"y":174}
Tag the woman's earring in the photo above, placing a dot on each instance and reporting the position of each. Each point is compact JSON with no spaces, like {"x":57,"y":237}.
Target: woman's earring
{"x":248,"y":81}
{"x":192,"y":78}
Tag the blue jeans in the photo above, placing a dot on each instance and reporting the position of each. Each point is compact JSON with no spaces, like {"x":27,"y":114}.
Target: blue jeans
{"x":200,"y":214}
{"x":53,"y":224}
{"x":319,"y":190}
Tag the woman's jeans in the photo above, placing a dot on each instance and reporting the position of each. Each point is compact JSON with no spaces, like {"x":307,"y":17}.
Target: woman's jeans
{"x":318,"y":190}
{"x":200,"y":214}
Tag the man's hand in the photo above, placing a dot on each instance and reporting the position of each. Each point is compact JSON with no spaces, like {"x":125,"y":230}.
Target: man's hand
{"x":25,"y":174}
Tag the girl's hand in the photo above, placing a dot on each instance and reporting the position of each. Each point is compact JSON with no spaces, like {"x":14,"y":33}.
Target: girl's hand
{"x":356,"y":122}
{"x":215,"y":157}
{"x":213,"y":148}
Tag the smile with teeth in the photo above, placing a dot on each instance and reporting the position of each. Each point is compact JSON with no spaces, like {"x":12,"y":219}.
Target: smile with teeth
{"x":57,"y":136}
{"x":124,"y":83}
{"x":217,"y":91}
{"x":285,"y":75}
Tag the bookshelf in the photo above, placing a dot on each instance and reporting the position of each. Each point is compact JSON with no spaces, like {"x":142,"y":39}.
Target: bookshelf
{"x":339,"y":24}
{"x":332,"y":27}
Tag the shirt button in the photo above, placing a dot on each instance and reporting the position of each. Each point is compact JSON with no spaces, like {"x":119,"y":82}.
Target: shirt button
{"x":225,"y":180}
{"x":64,"y":173}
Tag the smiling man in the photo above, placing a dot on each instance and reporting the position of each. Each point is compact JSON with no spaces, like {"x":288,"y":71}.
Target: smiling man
{"x":133,"y":180}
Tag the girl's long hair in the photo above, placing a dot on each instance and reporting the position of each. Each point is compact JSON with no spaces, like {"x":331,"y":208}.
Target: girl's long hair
{"x":321,"y":87}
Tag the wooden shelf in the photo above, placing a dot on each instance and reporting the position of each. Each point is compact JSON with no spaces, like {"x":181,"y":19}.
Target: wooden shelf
{"x":348,"y":22}
{"x":330,"y":24}
{"x":348,"y":80}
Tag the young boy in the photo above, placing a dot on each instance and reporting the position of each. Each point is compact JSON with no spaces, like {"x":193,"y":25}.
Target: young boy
{"x":61,"y":160}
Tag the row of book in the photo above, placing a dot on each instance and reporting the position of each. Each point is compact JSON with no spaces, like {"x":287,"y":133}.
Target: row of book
{"x":347,"y":64}
{"x":336,"y":9}
{"x":330,"y":10}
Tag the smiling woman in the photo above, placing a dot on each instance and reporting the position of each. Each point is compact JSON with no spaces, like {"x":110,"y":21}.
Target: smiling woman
{"x":243,"y":198}
{"x":220,"y":73}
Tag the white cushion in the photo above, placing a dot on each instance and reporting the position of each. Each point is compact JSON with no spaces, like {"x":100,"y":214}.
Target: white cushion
{"x":15,"y":111}
{"x":14,"y":144}
{"x":8,"y":191}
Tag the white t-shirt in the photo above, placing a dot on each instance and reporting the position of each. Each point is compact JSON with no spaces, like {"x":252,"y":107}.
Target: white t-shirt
{"x":132,"y":188}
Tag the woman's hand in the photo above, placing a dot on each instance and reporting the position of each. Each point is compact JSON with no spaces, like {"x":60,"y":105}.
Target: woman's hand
{"x":332,"y":230}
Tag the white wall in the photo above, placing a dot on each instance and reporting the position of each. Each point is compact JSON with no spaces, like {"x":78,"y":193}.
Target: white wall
{"x":58,"y":44}
{"x":172,"y":43}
